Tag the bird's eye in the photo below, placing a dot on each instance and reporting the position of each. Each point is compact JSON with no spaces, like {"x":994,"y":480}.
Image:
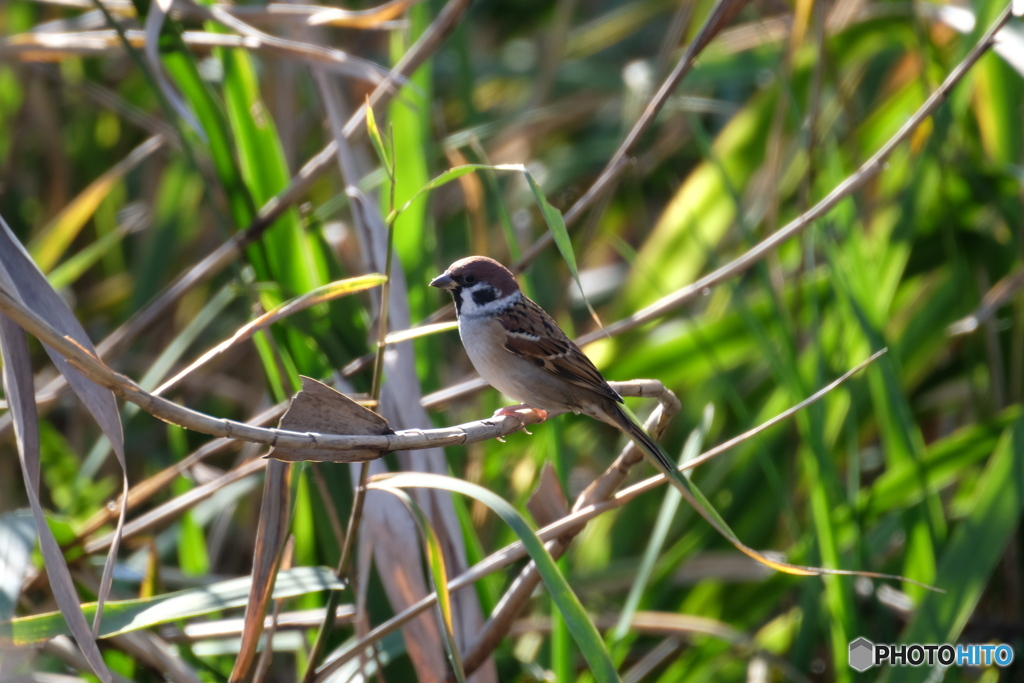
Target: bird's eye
{"x":469,"y":279}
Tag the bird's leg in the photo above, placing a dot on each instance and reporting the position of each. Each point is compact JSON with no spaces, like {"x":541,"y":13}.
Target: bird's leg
{"x":520,"y":412}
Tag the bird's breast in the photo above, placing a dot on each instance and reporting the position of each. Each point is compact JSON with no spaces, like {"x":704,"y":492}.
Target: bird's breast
{"x":484,"y":339}
{"x":516,"y":377}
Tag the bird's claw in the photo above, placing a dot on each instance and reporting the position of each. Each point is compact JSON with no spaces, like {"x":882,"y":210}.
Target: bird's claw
{"x":520,"y":412}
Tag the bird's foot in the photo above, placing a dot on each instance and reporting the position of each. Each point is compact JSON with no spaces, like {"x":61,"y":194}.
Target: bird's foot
{"x":521,"y":412}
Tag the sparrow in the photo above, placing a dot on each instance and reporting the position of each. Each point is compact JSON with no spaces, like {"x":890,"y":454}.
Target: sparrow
{"x":522,"y":352}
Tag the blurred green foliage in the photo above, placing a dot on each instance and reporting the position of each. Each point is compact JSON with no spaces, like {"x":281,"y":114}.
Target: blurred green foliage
{"x":912,"y":468}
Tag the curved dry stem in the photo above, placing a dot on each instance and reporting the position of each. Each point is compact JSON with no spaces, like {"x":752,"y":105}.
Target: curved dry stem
{"x":516,"y":597}
{"x":332,"y":445}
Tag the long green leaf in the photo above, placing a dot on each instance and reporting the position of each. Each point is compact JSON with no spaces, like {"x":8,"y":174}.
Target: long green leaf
{"x":580,"y":625}
{"x":438,"y":577}
{"x":123,"y":616}
{"x":375,"y":138}
{"x":556,"y":224}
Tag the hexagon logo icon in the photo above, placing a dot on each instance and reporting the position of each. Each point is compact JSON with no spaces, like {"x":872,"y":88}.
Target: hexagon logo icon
{"x":862,"y":654}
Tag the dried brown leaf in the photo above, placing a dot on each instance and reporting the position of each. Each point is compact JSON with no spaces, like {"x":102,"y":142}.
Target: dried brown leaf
{"x":548,"y":504}
{"x":368,"y":18}
{"x":21,"y":278}
{"x":270,"y":537}
{"x":320,"y":409}
{"x":20,"y":392}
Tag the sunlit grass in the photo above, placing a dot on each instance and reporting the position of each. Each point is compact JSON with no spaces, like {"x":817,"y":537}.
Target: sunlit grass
{"x":271,"y":188}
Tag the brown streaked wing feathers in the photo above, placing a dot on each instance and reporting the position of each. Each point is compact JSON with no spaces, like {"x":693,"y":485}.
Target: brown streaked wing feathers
{"x":553,"y":351}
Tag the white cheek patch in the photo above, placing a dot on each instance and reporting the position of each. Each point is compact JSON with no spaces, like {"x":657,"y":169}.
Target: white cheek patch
{"x":482,"y":304}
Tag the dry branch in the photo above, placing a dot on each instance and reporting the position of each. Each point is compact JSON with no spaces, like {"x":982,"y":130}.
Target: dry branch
{"x":48,"y":47}
{"x":332,"y":445}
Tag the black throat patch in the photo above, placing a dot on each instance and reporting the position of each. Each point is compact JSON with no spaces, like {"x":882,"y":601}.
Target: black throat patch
{"x":457,"y":298}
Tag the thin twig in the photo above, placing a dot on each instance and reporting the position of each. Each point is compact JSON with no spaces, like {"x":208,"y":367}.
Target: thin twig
{"x":105,"y":42}
{"x":721,"y":14}
{"x":996,"y":297}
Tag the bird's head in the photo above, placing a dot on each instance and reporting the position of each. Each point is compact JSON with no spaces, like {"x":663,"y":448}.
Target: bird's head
{"x":479,"y":285}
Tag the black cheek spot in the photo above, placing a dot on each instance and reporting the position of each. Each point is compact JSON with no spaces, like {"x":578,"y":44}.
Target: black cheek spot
{"x":484,"y":296}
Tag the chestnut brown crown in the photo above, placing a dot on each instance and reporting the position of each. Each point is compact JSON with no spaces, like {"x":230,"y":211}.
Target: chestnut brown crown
{"x":473,"y":269}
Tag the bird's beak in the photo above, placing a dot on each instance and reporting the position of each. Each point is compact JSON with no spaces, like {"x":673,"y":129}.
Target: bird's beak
{"x":443,"y":281}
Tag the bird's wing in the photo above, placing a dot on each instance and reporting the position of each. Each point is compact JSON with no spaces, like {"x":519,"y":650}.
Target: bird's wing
{"x":530,"y":333}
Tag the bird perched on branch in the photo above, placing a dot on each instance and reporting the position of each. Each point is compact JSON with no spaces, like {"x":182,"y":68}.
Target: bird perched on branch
{"x":520,"y":351}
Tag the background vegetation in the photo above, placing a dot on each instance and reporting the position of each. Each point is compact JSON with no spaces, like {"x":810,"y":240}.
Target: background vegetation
{"x":174,"y":182}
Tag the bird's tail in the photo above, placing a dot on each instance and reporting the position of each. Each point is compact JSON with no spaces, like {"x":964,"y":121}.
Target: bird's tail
{"x":635,"y":431}
{"x":631,"y":426}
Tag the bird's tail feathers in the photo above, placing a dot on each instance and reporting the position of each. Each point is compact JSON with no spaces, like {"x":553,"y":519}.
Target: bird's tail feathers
{"x":635,"y":431}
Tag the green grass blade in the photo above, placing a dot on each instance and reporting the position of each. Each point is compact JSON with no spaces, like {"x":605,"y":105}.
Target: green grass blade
{"x":945,"y":463}
{"x":580,"y":625}
{"x":667,"y":513}
{"x":378,"y":143}
{"x":556,"y":224}
{"x":220,"y":141}
{"x":972,"y":553}
{"x":123,"y":616}
{"x":68,"y":272}
{"x":438,"y":577}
